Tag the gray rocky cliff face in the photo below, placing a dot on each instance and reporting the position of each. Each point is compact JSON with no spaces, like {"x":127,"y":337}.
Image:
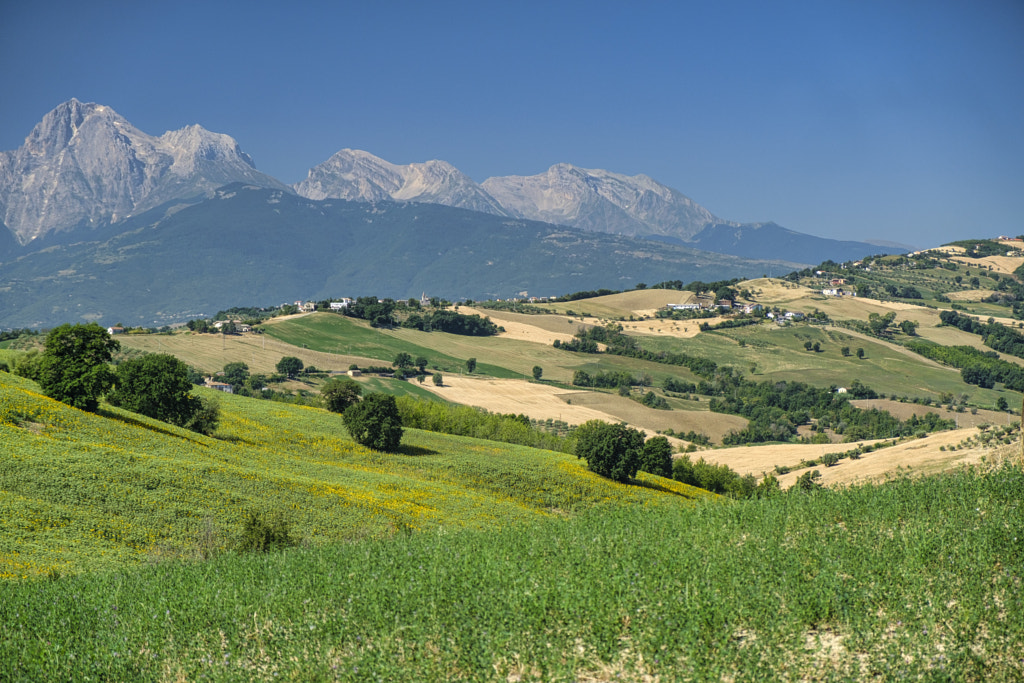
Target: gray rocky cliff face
{"x":361,"y":176}
{"x":86,"y":164}
{"x":601,"y":201}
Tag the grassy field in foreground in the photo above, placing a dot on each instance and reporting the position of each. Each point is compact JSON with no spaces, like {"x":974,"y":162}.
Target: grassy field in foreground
{"x":909,"y":580}
{"x":83,"y":492}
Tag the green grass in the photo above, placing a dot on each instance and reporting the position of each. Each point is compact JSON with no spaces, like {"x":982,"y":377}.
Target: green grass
{"x":497,"y":357}
{"x":910,"y":580}
{"x":337,"y":334}
{"x":778,"y":353}
{"x":80,"y":492}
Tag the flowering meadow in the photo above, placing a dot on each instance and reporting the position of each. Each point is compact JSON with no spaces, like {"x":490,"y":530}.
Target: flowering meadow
{"x":82,"y":492}
{"x":469,"y":560}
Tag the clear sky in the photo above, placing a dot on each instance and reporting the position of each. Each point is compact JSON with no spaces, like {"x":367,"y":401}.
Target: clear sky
{"x":890,"y":120}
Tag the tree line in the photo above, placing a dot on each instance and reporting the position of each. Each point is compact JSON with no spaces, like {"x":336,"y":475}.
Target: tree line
{"x":775,"y":409}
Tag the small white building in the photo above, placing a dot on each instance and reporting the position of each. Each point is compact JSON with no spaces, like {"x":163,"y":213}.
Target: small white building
{"x":219,"y":386}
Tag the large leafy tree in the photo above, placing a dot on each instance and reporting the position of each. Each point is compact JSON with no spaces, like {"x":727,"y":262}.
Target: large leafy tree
{"x":612,"y":451}
{"x":156,"y":385}
{"x":656,"y":457}
{"x":338,"y":393}
{"x":375,"y":422}
{"x":290,"y":366}
{"x":74,"y":367}
{"x":236,"y":373}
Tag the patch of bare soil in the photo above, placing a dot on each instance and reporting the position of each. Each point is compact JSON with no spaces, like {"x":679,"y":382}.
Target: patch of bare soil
{"x":714,"y":425}
{"x":968,"y":295}
{"x":541,"y":401}
{"x":282,"y":318}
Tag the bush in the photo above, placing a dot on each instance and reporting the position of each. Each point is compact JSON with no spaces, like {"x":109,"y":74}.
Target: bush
{"x":206,"y":418}
{"x":715,"y":478}
{"x":375,"y":423}
{"x":261,"y":535}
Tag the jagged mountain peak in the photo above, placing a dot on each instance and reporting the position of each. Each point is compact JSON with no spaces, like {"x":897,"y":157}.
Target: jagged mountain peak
{"x":602,"y":201}
{"x":358,"y":175}
{"x":85,"y":163}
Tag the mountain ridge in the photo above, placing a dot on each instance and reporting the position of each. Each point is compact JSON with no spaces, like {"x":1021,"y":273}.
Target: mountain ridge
{"x":84,"y":165}
{"x":164,"y":266}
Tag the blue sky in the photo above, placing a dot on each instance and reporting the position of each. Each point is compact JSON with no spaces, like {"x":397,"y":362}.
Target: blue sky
{"x":899,"y":121}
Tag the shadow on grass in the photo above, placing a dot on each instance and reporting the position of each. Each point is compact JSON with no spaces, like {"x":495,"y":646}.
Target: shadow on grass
{"x":654,"y":486}
{"x":169,"y":430}
{"x":405,"y":449}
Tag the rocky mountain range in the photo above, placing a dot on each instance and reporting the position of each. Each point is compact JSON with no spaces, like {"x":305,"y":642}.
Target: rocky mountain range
{"x":85,"y":165}
{"x":360,"y":176}
{"x":100,"y":220}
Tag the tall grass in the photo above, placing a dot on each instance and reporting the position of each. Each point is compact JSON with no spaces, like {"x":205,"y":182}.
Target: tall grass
{"x":907,"y":580}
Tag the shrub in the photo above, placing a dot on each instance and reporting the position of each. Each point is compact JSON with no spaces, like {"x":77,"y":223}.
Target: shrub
{"x":808,"y":481}
{"x":375,"y":423}
{"x":715,"y":478}
{"x":206,"y":418}
{"x":261,"y":535}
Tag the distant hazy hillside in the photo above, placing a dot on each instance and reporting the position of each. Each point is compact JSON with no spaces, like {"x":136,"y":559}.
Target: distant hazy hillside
{"x":251,"y":245}
{"x":768,"y":240}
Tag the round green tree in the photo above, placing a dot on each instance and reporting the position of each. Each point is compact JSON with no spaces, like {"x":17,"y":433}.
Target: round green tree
{"x":375,"y":423}
{"x":538,"y":371}
{"x":74,"y":366}
{"x":236,"y":373}
{"x":289,"y":366}
{"x":656,"y":457}
{"x":155,"y":385}
{"x":611,"y":451}
{"x":338,"y":393}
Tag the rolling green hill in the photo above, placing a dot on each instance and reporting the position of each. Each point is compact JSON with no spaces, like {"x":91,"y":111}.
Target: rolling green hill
{"x":83,"y":492}
{"x":463,"y":559}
